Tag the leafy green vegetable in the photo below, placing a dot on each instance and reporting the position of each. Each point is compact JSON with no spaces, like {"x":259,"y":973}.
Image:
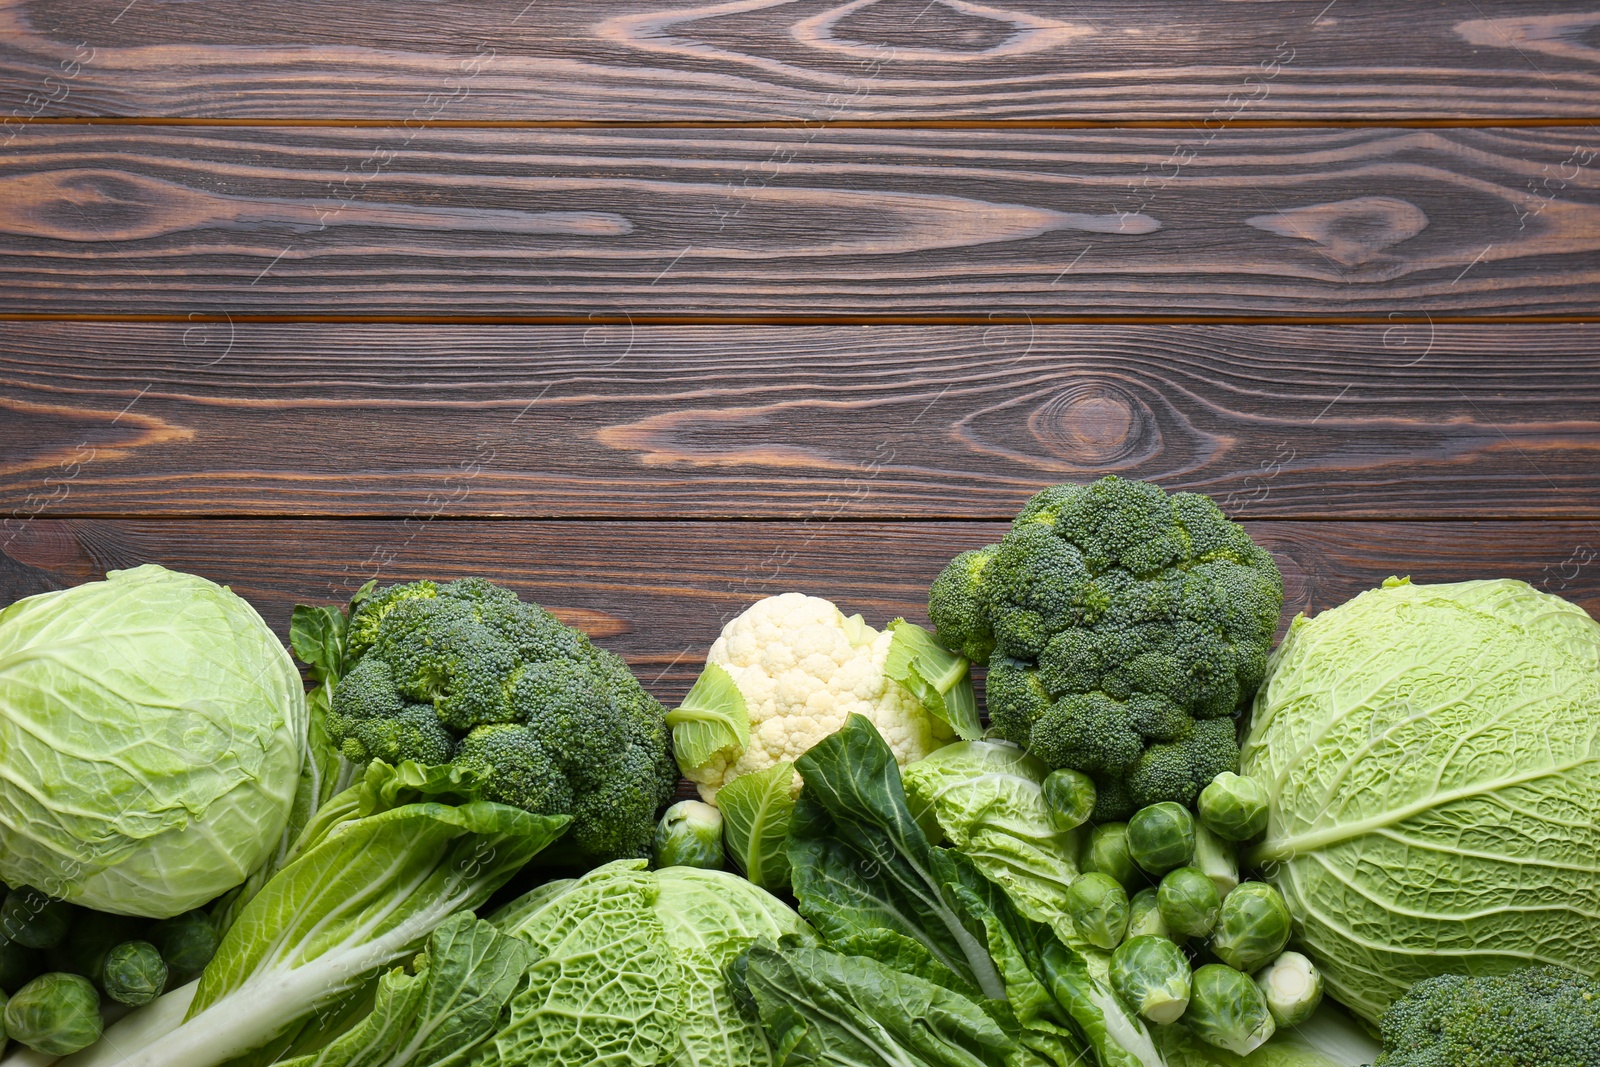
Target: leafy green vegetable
{"x":466,"y":673}
{"x":1106,"y":851}
{"x":56,"y":1014}
{"x":152,"y":730}
{"x":1161,"y":837}
{"x":988,"y":801}
{"x":1330,"y":1039}
{"x":1123,"y":628}
{"x":1226,"y":1009}
{"x":134,"y":973}
{"x":1252,"y":928}
{"x":1292,"y":986}
{"x":866,"y":874}
{"x":390,"y":860}
{"x":712,"y":719}
{"x":1071,"y":797}
{"x":1217,"y":858}
{"x":709,"y":919}
{"x":1433,"y":758}
{"x":756,"y":811}
{"x":1234,"y":807}
{"x":1189,"y":902}
{"x":937,"y":678}
{"x":33,"y":920}
{"x":629,"y":967}
{"x":1144,"y":917}
{"x":829,"y":1010}
{"x":689,"y":835}
{"x":1099,"y":910}
{"x":1152,"y":975}
{"x":605,"y":986}
{"x":437,"y":1015}
{"x":187,"y":942}
{"x":860,"y":861}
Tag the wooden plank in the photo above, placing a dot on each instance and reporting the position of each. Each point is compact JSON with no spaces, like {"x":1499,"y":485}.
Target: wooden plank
{"x":811,"y":60}
{"x":360,"y":222}
{"x":658,"y":593}
{"x":765,"y":422}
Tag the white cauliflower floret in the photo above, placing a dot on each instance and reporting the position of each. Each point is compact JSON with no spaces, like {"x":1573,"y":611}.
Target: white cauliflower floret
{"x":803,"y":668}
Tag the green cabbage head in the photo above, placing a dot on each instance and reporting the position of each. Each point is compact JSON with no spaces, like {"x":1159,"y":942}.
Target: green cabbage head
{"x":1433,"y":755}
{"x":151,"y":733}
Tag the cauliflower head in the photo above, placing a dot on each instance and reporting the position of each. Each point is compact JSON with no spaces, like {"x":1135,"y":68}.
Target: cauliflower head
{"x":803,"y":668}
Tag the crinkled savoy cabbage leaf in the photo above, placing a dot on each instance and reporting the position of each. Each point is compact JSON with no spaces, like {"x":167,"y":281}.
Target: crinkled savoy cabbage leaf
{"x":1434,"y":758}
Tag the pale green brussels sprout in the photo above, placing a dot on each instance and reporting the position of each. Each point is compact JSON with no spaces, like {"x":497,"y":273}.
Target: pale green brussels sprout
{"x":1253,"y":926}
{"x":1292,"y":986}
{"x":1161,"y":837}
{"x":1234,"y":807}
{"x":1152,"y":975}
{"x":187,"y":942}
{"x":690,"y":835}
{"x":1217,"y":857}
{"x":134,"y":973}
{"x":1144,"y":917}
{"x":1070,"y":796}
{"x":1098,"y":906}
{"x":56,"y":1014}
{"x":1226,"y":1009}
{"x":1189,"y":902}
{"x":33,"y":920}
{"x":1106,"y":852}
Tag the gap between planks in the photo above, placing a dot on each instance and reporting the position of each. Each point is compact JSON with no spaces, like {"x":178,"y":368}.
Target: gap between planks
{"x":1525,"y":122}
{"x":623,"y":318}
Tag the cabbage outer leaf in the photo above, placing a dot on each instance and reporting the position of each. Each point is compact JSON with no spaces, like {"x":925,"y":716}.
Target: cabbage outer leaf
{"x":1433,"y":755}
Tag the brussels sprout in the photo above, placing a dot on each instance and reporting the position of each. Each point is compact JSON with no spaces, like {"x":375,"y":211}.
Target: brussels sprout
{"x":1106,"y":852}
{"x":1234,"y":807}
{"x":33,"y":920}
{"x":1099,"y":909}
{"x":690,"y":835}
{"x":18,"y":964}
{"x":93,"y":934}
{"x":1218,"y":858}
{"x":1189,"y":902}
{"x":1070,"y":796}
{"x":187,"y":942}
{"x":1152,"y":975}
{"x":56,"y":1014}
{"x":1161,"y":837}
{"x":1226,"y":1009}
{"x":1144,"y":917}
{"x":1292,"y":986}
{"x":134,"y":973}
{"x":1253,"y":926}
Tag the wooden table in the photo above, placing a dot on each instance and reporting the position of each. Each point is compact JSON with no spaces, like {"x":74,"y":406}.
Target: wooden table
{"x":650,"y":311}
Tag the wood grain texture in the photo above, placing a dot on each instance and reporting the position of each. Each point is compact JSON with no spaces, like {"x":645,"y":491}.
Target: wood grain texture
{"x":864,"y":222}
{"x":766,"y":422}
{"x":658,"y":593}
{"x":805,"y":61}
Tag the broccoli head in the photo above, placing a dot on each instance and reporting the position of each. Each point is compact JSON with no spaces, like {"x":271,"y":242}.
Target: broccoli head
{"x":1539,"y":1017}
{"x":1124,"y":629}
{"x":466,"y":673}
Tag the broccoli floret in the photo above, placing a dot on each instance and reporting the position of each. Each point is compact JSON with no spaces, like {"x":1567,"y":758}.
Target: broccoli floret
{"x":956,"y":591}
{"x":465,"y":672}
{"x":516,"y":769}
{"x":1539,"y":1017}
{"x":1178,"y":770}
{"x":1118,"y":621}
